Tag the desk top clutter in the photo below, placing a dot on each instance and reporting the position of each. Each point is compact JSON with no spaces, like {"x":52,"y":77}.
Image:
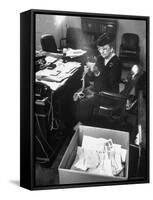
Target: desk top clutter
{"x":56,"y":72}
{"x":57,"y":77}
{"x":72,"y":53}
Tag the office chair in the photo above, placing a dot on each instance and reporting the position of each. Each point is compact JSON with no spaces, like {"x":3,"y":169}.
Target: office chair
{"x":129,"y":49}
{"x":112,"y":106}
{"x":48,"y":43}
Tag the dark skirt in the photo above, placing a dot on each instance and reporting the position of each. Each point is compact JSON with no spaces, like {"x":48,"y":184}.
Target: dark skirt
{"x":84,"y":108}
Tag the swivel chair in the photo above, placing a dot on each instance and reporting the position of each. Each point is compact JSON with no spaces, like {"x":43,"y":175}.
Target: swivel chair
{"x":112,"y":105}
{"x":48,"y":43}
{"x":129,"y":49}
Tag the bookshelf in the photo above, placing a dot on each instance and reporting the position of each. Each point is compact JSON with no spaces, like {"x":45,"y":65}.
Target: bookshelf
{"x":94,"y":27}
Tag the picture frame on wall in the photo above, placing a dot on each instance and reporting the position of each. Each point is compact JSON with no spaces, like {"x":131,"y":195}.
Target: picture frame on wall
{"x":84,"y":99}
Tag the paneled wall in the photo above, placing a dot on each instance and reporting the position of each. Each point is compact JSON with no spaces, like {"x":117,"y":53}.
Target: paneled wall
{"x":46,"y":24}
{"x":57,"y":27}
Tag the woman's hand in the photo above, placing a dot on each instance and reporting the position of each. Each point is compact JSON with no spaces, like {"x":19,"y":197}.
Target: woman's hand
{"x":78,"y":95}
{"x":86,"y":69}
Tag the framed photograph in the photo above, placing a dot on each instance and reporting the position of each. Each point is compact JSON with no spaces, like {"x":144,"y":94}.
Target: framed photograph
{"x":84,"y":99}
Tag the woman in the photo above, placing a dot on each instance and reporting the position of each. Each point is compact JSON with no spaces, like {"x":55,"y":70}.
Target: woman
{"x":108,"y":63}
{"x":102,"y":75}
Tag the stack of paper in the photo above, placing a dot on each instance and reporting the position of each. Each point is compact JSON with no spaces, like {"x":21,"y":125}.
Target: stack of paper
{"x":74,"y":52}
{"x":50,"y":59}
{"x":57,"y":77}
{"x":100,"y":156}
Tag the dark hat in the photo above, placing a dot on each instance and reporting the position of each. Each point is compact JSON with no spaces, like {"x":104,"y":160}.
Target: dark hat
{"x":105,"y":38}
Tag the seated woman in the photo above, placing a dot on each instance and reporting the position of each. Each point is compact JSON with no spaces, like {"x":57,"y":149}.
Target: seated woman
{"x":101,"y":74}
{"x":109,"y":64}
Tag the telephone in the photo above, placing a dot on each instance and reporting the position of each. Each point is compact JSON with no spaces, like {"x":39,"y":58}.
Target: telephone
{"x":42,"y":90}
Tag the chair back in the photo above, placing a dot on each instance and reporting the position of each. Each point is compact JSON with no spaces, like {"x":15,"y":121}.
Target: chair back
{"x":129,"y":49}
{"x":48,"y":43}
{"x":130,"y":41}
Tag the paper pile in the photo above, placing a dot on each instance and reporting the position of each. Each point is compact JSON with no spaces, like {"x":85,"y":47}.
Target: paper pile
{"x":57,"y":77}
{"x":74,"y":52}
{"x":100,"y":156}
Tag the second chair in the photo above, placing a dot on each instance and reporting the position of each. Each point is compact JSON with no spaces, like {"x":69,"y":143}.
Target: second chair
{"x":48,"y":43}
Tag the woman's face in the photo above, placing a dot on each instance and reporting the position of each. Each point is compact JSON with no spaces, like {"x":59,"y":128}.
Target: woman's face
{"x":105,"y":51}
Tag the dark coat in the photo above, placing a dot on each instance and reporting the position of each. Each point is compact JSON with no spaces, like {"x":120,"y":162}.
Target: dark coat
{"x":110,"y":74}
{"x":108,"y":80}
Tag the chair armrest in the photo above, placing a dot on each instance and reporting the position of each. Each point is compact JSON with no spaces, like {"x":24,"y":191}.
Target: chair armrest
{"x":112,"y":95}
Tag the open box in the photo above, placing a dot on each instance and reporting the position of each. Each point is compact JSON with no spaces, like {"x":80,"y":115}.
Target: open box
{"x":69,"y":176}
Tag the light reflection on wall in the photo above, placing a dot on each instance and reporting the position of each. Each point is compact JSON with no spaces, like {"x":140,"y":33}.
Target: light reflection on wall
{"x":59,"y":19}
{"x":57,"y":26}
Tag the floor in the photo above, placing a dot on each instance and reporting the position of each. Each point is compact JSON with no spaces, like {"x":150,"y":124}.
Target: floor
{"x":48,"y":175}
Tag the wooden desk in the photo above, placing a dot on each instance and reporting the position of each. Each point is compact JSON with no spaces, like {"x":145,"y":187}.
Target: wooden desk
{"x":61,"y":99}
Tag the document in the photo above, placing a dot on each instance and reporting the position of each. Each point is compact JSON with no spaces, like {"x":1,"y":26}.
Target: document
{"x":100,"y":156}
{"x":79,"y":162}
{"x":50,"y":59}
{"x":58,"y":76}
{"x":91,"y":158}
{"x":74,"y":52}
{"x":92,"y":143}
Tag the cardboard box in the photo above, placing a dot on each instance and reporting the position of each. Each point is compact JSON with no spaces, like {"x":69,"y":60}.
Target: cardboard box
{"x":69,"y":176}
